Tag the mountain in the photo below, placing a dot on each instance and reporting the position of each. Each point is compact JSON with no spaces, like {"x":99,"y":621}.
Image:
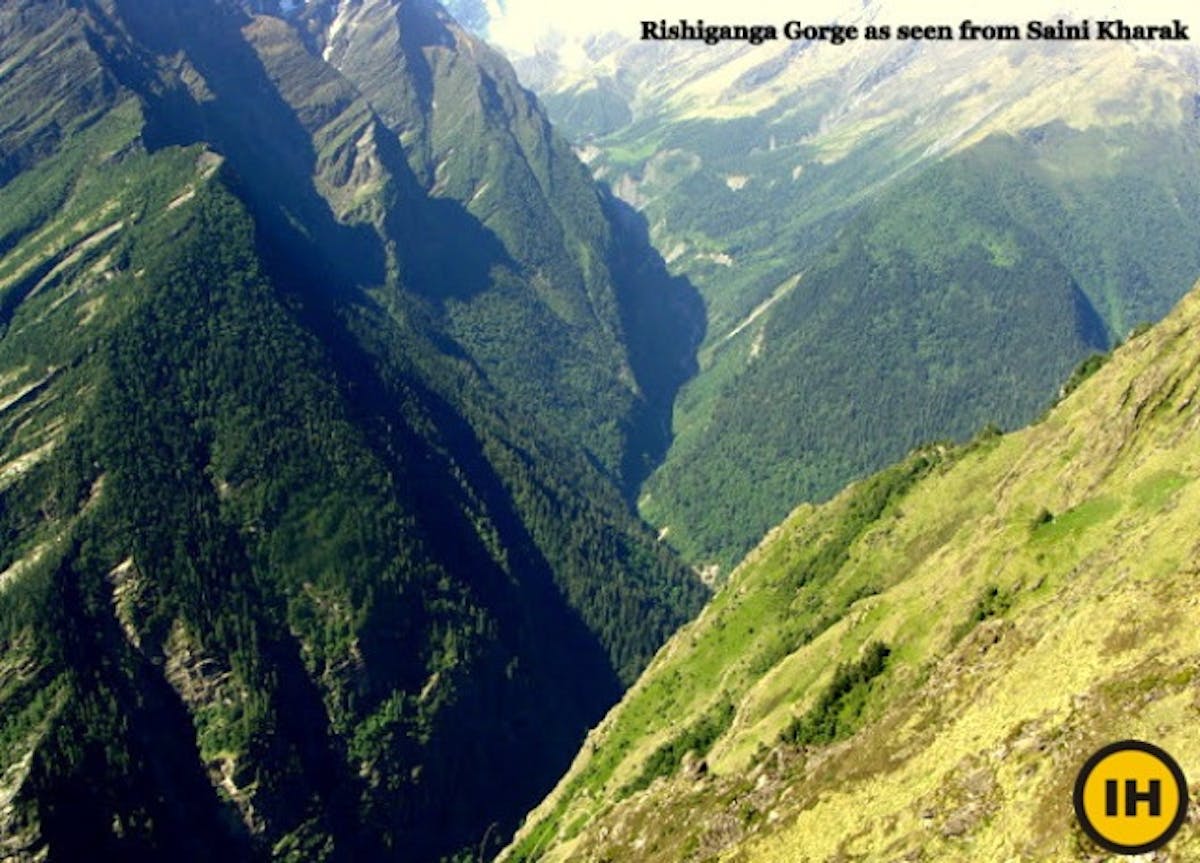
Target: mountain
{"x":321,"y":403}
{"x":917,"y":669}
{"x":475,"y":15}
{"x":819,"y":197}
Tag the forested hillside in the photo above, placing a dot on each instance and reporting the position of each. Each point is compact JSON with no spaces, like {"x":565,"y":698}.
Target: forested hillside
{"x":765,"y":171}
{"x":294,"y":564}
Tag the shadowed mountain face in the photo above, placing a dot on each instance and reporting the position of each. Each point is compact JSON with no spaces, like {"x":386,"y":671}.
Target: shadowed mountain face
{"x":322,"y":394}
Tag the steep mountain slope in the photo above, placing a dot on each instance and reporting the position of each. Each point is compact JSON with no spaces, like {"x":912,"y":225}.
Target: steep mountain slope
{"x":290,"y":567}
{"x":536,"y":227}
{"x":757,"y":166}
{"x":934,"y":313}
{"x":918,"y":668}
{"x":554,"y":258}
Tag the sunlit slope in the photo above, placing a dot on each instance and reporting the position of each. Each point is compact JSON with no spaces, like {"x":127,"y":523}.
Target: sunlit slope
{"x":917,"y":669}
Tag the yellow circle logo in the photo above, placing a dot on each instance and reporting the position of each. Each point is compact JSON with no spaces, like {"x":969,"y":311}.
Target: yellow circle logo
{"x":1131,"y":797}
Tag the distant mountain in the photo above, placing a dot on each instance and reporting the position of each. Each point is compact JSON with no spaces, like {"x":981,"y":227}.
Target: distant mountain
{"x":321,"y":403}
{"x":821,"y":198}
{"x":475,"y":15}
{"x":918,"y":668}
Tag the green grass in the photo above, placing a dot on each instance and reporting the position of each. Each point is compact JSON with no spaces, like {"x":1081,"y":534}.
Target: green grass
{"x":1006,"y":598}
{"x":740,"y":635}
{"x":1076,"y":521}
{"x":697,"y":738}
{"x":1155,"y":491}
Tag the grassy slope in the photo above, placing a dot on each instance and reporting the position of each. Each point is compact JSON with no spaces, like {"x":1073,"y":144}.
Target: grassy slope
{"x":1037,"y":593}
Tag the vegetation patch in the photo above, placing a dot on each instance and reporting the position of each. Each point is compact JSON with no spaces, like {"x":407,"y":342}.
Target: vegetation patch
{"x":1075,"y":521}
{"x":1086,"y":368}
{"x":839,"y":711}
{"x":697,"y":738}
{"x":1154,"y":491}
{"x":992,"y":602}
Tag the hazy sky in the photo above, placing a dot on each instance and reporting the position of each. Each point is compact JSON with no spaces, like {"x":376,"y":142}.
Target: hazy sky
{"x":526,"y":20}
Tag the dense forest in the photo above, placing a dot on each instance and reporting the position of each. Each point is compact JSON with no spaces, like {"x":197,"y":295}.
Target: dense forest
{"x":761,"y":173}
{"x":296,"y":562}
{"x":959,"y":299}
